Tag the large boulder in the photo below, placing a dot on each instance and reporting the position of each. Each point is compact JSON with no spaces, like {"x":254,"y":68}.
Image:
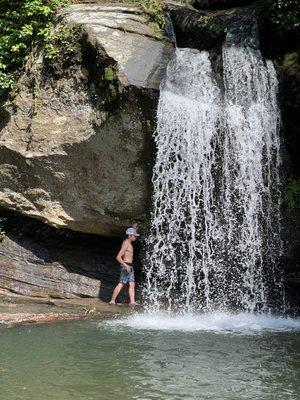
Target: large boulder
{"x":76,"y":150}
{"x":127,"y":37}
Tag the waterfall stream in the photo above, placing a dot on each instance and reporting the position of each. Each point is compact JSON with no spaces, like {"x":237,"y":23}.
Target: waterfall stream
{"x":215,"y":232}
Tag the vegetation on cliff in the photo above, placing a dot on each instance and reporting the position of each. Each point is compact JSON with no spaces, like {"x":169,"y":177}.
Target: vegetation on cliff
{"x":291,"y":196}
{"x":154,"y":9}
{"x":23,"y":24}
{"x":283,"y":13}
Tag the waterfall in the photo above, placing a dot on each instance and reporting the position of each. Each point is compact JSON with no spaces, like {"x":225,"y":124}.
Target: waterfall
{"x":214,"y":241}
{"x":251,"y":177}
{"x":182,"y":219}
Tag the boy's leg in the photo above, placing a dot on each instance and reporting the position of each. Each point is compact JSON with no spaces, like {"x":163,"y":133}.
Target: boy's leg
{"x":116,"y":292}
{"x":132,"y":292}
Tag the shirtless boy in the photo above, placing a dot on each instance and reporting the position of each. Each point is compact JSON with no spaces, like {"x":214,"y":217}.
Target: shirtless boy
{"x":125,"y":257}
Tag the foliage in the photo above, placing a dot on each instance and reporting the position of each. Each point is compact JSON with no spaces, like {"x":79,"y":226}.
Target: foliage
{"x":110,"y":82}
{"x":154,"y":10}
{"x":22,"y":24}
{"x":216,"y":30}
{"x":62,"y":49}
{"x":284,"y":14}
{"x":291,"y":196}
{"x":89,"y":310}
{"x":109,"y":74}
{"x":291,"y":62}
{"x":59,"y":39}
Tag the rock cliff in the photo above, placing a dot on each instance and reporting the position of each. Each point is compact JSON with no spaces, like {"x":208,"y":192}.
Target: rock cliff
{"x":76,"y":149}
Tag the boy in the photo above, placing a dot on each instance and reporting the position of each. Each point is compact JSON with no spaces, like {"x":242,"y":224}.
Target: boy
{"x":125,"y":257}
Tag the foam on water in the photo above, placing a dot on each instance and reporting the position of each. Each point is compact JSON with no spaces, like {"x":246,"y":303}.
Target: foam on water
{"x":221,"y":322}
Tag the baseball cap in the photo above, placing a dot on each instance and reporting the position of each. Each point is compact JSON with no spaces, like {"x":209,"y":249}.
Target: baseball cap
{"x":131,"y":231}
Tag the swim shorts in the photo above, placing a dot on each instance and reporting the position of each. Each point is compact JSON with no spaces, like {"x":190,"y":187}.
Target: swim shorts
{"x":126,"y":277}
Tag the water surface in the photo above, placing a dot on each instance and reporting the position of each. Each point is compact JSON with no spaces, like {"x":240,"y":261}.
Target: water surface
{"x":159,"y":357}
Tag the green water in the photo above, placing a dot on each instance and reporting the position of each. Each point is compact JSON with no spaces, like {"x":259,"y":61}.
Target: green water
{"x":102,"y":360}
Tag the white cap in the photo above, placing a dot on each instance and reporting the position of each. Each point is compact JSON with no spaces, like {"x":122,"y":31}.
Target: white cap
{"x":131,"y":231}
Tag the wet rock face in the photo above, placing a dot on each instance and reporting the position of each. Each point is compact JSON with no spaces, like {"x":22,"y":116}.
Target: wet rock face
{"x":197,"y":29}
{"x":207,"y":29}
{"x":77,"y":150}
{"x":291,"y":254}
{"x":220,"y":4}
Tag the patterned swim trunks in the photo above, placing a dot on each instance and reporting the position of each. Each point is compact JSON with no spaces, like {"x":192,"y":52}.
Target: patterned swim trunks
{"x":126,"y":277}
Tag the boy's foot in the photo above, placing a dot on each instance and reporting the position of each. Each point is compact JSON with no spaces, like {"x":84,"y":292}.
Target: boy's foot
{"x":133,"y":304}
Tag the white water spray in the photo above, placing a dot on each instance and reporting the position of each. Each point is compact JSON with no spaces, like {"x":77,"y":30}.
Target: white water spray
{"x":214,"y":239}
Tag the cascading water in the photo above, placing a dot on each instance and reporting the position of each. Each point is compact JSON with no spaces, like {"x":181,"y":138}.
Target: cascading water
{"x":182,"y":220}
{"x":250,"y":189}
{"x":215,"y":240}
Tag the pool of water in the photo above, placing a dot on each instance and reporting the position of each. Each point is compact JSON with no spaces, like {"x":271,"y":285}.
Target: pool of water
{"x":163,"y":357}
